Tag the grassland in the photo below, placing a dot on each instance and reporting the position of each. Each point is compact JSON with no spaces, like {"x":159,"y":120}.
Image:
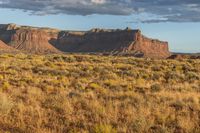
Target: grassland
{"x":98,"y":94}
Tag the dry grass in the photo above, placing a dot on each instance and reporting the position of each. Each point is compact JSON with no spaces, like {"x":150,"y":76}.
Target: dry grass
{"x":83,"y":93}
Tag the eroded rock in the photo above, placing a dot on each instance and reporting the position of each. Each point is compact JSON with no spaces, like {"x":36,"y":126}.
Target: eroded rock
{"x":46,"y":40}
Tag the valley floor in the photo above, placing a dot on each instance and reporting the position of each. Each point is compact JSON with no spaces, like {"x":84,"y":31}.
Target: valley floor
{"x":98,"y":94}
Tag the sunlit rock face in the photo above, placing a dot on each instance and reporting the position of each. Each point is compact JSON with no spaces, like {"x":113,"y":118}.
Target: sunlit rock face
{"x":32,"y":41}
{"x":46,"y":40}
{"x":5,"y":48}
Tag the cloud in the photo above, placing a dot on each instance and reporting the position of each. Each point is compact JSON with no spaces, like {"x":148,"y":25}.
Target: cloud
{"x":98,"y":1}
{"x":165,"y":10}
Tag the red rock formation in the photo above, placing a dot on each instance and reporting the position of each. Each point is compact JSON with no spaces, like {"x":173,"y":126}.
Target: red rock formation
{"x":94,"y":41}
{"x":130,"y":42}
{"x":150,"y":47}
{"x":3,"y":45}
{"x":32,"y":41}
{"x":44,"y":40}
{"x":5,"y":48}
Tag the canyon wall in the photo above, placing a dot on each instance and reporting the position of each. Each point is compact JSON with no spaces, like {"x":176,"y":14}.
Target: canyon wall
{"x":151,"y":47}
{"x":127,"y":41}
{"x":45,"y":40}
{"x":95,"y":40}
{"x":5,"y":48}
{"x":32,"y":41}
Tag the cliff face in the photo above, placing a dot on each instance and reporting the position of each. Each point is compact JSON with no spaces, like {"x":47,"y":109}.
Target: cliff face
{"x":103,"y":41}
{"x":115,"y":41}
{"x":28,"y":39}
{"x":44,"y":40}
{"x":3,"y":45}
{"x":32,"y":41}
{"x":151,"y":47}
{"x":6,"y":31}
{"x":5,"y":48}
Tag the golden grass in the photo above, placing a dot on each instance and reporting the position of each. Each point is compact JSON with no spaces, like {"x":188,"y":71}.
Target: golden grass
{"x":100,"y":94}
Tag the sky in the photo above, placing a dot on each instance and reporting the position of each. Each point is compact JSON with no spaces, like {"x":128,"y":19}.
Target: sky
{"x":175,"y":21}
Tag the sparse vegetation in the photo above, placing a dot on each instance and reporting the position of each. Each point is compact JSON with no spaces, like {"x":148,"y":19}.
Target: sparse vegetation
{"x":100,"y":94}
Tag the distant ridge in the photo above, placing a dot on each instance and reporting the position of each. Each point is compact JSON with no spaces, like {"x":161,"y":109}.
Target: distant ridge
{"x":185,"y":56}
{"x":112,"y":41}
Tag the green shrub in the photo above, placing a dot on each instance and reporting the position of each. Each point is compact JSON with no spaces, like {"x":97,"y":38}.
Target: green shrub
{"x":102,"y":128}
{"x":156,"y":88}
{"x":6,"y":85}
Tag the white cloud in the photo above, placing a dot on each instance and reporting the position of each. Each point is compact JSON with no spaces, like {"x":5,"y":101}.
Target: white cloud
{"x":98,"y":1}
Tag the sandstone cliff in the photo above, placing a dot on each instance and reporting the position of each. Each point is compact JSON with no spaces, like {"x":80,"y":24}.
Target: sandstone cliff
{"x":150,"y":47}
{"x":114,"y":41}
{"x":92,"y":41}
{"x":5,"y":48}
{"x":45,"y":40}
{"x":32,"y":41}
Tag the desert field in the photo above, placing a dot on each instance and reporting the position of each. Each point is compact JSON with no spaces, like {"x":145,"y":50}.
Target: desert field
{"x":98,"y":94}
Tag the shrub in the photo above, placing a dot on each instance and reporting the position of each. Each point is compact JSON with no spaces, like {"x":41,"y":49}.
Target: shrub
{"x":156,"y":68}
{"x":178,"y":105}
{"x":111,"y":83}
{"x":94,"y":86}
{"x":102,"y":128}
{"x":97,"y":88}
{"x":192,"y":76}
{"x":6,"y":104}
{"x":156,"y":88}
{"x":140,"y":82}
{"x":6,"y":85}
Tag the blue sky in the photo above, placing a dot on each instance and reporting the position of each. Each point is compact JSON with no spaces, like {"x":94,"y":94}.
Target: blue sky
{"x":183,"y":36}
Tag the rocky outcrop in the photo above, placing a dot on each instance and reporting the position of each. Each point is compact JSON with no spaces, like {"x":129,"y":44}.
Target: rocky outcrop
{"x":32,"y":41}
{"x":6,"y":31}
{"x":127,"y":41}
{"x":5,"y":48}
{"x":150,"y":47}
{"x":7,"y":27}
{"x":179,"y":56}
{"x":45,"y":40}
{"x":93,"y":41}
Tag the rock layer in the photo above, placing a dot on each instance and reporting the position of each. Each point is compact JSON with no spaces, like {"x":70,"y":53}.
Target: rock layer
{"x":5,"y":48}
{"x":44,"y":40}
{"x":127,"y":41}
{"x":32,"y":41}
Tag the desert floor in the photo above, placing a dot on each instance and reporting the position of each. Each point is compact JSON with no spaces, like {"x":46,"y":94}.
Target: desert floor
{"x":98,"y":94}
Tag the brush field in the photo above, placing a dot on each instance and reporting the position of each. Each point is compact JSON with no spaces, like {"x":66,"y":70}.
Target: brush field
{"x":98,"y":94}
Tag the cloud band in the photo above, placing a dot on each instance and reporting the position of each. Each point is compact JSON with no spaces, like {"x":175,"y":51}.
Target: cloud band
{"x":167,"y":10}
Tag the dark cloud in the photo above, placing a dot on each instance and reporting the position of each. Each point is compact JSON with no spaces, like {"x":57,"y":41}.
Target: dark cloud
{"x":165,"y":10}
